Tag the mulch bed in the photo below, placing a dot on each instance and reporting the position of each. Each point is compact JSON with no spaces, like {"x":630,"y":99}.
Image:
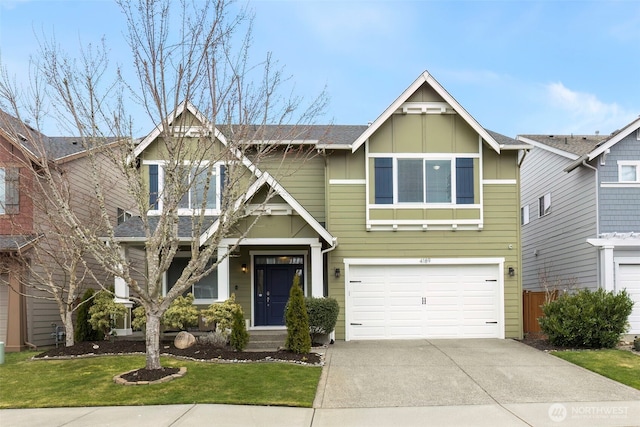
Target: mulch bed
{"x":198,"y":352}
{"x":541,"y":343}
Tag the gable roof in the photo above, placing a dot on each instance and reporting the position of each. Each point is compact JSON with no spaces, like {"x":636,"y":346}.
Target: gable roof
{"x":615,"y":138}
{"x":266,"y":179}
{"x":580,"y":148}
{"x":569,"y":146}
{"x":430,"y":80}
{"x":31,"y":141}
{"x":181,"y":108}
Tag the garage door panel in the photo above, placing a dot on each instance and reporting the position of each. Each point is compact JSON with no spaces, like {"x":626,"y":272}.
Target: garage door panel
{"x":417,"y":301}
{"x":629,"y":279}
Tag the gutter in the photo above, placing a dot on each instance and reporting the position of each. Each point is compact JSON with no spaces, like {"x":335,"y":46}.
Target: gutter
{"x":334,"y":245}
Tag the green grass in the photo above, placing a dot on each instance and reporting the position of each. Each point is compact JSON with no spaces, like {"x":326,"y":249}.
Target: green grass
{"x":26,"y":383}
{"x":619,"y":365}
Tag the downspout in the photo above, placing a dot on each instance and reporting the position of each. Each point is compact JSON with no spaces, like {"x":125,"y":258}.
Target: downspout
{"x":521,"y":159}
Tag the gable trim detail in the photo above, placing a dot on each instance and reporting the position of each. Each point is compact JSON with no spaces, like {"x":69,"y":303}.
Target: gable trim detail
{"x":401,"y":100}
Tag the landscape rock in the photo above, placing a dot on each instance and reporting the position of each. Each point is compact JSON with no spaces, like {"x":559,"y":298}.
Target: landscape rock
{"x":184,"y":340}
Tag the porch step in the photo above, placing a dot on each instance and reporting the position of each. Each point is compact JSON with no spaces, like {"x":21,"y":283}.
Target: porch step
{"x":266,"y":340}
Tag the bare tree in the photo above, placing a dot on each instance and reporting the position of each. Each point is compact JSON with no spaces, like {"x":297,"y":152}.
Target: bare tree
{"x":184,"y":55}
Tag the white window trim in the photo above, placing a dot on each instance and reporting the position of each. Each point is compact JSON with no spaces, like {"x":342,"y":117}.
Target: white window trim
{"x":424,"y":157}
{"x":184,"y":211}
{"x":547,"y":206}
{"x":524,"y":215}
{"x":635,"y":163}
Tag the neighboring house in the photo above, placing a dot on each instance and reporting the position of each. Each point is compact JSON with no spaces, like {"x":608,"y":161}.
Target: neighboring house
{"x":581,"y":213}
{"x":24,"y":319}
{"x":411,"y":223}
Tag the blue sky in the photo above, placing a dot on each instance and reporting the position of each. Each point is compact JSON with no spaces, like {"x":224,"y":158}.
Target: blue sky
{"x":518,"y":67}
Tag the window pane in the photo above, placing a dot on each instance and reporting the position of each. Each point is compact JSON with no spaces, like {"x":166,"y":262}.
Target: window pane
{"x":628,"y":173}
{"x":198,"y":190}
{"x":438,"y":181}
{"x":184,"y":201}
{"x":207,"y":287}
{"x":410,"y":181}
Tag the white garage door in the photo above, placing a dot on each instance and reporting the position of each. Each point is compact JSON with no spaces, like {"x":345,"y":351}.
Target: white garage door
{"x":629,"y":279}
{"x":423,"y":301}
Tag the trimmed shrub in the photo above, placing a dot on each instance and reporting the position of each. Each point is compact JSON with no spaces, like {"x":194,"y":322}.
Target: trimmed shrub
{"x":323,"y":315}
{"x":221,"y":314}
{"x":297,"y":320}
{"x":181,"y":314}
{"x":239,"y":337}
{"x":587,"y":319}
{"x":104,"y":311}
{"x":83,"y":330}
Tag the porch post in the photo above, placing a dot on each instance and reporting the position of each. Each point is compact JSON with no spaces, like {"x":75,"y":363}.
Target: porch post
{"x":607,"y":268}
{"x":317,"y":271}
{"x":223,"y":273}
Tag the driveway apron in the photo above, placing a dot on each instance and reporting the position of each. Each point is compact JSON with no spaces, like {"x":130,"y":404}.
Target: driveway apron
{"x":419,"y":373}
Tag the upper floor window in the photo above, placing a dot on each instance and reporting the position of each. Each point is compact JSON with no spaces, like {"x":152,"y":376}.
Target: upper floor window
{"x":9,"y":190}
{"x":628,"y":171}
{"x":203,"y":190}
{"x":122,"y":215}
{"x":424,"y":180}
{"x":524,"y":215}
{"x":544,"y":205}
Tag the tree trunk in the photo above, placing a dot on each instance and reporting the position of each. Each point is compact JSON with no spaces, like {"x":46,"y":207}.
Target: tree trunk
{"x":68,"y":329}
{"x":152,"y":340}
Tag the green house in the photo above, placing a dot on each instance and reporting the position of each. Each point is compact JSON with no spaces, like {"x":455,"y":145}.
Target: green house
{"x":412,"y":222}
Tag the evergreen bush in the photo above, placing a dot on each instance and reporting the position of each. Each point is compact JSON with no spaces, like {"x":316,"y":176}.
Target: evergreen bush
{"x":239,"y":337}
{"x":323,"y":316}
{"x":297,"y":320}
{"x":83,"y":329}
{"x":587,"y":319}
{"x":104,"y":311}
{"x":221,"y":314}
{"x":181,"y":314}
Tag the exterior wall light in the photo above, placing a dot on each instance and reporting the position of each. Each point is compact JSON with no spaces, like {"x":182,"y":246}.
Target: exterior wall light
{"x":337,"y":273}
{"x":244,"y":268}
{"x":512,"y":271}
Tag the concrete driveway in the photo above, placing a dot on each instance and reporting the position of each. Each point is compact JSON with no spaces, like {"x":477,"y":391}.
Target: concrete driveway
{"x":489,"y":380}
{"x":401,"y":383}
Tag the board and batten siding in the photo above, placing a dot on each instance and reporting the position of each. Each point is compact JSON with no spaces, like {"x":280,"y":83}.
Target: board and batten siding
{"x":555,"y":245}
{"x":619,"y":206}
{"x":346,"y":220}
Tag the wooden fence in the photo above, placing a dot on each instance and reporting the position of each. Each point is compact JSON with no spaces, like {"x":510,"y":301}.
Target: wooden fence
{"x":532,"y":309}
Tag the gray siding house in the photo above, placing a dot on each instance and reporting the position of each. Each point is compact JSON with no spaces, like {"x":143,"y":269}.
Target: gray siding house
{"x":580,"y":213}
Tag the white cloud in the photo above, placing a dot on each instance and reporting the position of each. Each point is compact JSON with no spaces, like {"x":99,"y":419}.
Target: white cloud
{"x":584,"y":112}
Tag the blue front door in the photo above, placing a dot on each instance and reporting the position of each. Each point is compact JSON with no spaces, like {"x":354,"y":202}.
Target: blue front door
{"x":273,"y":280}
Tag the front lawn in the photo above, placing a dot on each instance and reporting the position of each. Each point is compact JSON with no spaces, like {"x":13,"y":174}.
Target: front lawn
{"x":619,"y":365}
{"x":29,"y":383}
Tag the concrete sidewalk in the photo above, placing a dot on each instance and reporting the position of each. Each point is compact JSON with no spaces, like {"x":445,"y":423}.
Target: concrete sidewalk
{"x":619,"y":413}
{"x":403,"y":383}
